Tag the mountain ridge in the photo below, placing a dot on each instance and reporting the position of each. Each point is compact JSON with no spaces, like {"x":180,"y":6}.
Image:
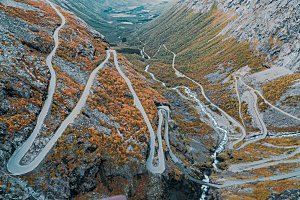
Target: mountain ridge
{"x":201,"y":103}
{"x":260,"y":23}
{"x":105,"y":146}
{"x":229,"y":55}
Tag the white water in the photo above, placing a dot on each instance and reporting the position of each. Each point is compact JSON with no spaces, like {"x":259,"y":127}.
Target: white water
{"x":193,"y":96}
{"x":153,"y":76}
{"x":221,"y":146}
{"x":205,"y":182}
{"x":204,"y":188}
{"x":247,"y":166}
{"x":14,"y":163}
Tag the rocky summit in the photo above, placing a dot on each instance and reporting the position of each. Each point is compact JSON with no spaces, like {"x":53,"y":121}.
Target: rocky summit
{"x":163,"y":99}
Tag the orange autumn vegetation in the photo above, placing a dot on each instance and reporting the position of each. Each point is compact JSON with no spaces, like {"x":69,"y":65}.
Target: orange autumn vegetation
{"x":112,"y":96}
{"x":115,"y":94}
{"x":51,"y":20}
{"x":82,"y":36}
{"x":275,"y":89}
{"x":33,"y":16}
{"x":73,"y":27}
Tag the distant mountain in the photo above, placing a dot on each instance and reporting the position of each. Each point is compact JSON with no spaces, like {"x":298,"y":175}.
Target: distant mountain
{"x":115,"y":19}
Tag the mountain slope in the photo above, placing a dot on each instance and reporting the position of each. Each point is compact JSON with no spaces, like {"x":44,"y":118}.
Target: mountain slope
{"x":209,"y":49}
{"x":206,"y":106}
{"x":240,"y":57}
{"x":103,"y":152}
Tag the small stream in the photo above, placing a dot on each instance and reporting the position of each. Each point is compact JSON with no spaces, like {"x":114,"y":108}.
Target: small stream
{"x":221,"y":146}
{"x":205,"y":188}
{"x":193,"y":96}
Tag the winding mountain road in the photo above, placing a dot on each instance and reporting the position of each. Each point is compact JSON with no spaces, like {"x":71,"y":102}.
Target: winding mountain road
{"x":239,"y":99}
{"x":267,"y":162}
{"x":176,"y":160}
{"x":193,"y":97}
{"x":13,"y":164}
{"x":254,"y":111}
{"x":262,"y":163}
{"x":254,"y":93}
{"x":279,"y":147}
{"x":267,"y":102}
{"x":242,"y":166}
{"x":230,"y":183}
{"x":15,"y":167}
{"x":142,"y":51}
{"x":164,"y":113}
{"x":160,"y":167}
{"x":244,"y":133}
{"x":158,"y":50}
{"x":153,"y":76}
{"x":231,"y":119}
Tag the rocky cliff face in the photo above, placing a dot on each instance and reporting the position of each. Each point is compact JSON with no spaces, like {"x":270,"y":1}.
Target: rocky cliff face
{"x":271,"y":26}
{"x":103,"y":152}
{"x":213,"y":58}
{"x":244,"y":55}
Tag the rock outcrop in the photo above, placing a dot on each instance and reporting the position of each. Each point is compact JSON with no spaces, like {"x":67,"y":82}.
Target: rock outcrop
{"x":103,"y":152}
{"x":272,"y":26}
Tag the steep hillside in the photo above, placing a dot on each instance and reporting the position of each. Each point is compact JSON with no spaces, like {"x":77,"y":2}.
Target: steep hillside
{"x":271,"y":26}
{"x":70,"y":126}
{"x":241,"y":59}
{"x":210,"y":49}
{"x":203,"y":104}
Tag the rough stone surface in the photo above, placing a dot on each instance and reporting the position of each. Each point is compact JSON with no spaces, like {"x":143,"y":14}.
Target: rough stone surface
{"x":262,"y":22}
{"x":18,"y":5}
{"x":289,"y":194}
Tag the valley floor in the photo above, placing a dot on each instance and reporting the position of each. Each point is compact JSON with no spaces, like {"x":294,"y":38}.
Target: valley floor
{"x":248,"y":155}
{"x":145,"y":128}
